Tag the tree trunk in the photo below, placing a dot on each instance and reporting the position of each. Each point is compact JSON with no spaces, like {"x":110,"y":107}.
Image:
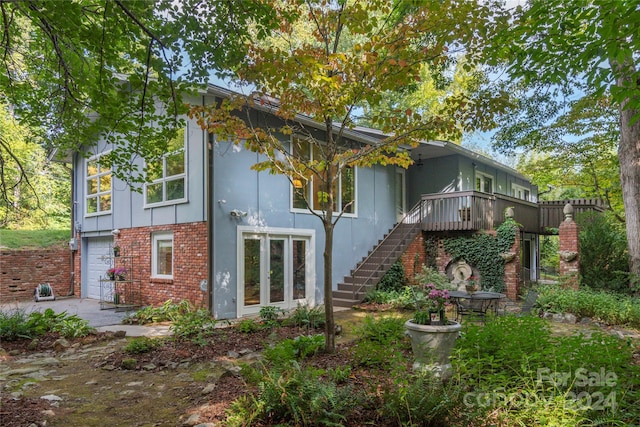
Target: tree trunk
{"x":629,"y":157}
{"x":330,"y":328}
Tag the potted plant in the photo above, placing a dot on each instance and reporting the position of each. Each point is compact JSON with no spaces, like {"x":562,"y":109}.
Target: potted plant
{"x":116,"y":273}
{"x":116,"y":298}
{"x":116,"y":251}
{"x":432,"y":334}
{"x":472,"y":285}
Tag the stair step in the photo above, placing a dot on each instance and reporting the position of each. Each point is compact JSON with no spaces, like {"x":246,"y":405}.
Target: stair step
{"x":339,"y":302}
{"x":359,"y":296}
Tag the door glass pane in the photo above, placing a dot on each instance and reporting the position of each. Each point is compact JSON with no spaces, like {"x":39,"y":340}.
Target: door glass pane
{"x":92,"y":186}
{"x":251,"y":272}
{"x":276,"y":270}
{"x":299,"y":269}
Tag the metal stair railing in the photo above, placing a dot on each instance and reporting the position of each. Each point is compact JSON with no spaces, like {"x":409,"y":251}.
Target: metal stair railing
{"x":413,"y":217}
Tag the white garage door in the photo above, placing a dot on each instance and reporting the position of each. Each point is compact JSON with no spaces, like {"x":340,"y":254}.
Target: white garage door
{"x":98,"y":262}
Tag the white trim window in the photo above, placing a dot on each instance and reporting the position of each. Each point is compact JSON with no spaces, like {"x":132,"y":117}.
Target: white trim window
{"x":345,"y":187}
{"x":162,"y":255}
{"x":520,"y":192}
{"x":98,"y":187}
{"x":484,"y":183}
{"x":167,"y":175}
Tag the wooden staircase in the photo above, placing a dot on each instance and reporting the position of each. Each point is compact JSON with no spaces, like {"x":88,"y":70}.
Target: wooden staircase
{"x":370,"y":270}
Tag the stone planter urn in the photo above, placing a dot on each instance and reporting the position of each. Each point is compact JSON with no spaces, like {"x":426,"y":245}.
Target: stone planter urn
{"x":432,"y":345}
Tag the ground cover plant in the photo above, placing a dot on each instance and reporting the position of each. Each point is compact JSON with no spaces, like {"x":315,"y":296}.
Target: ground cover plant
{"x":509,"y":371}
{"x":17,"y":323}
{"x":605,"y":306}
{"x":515,"y":369}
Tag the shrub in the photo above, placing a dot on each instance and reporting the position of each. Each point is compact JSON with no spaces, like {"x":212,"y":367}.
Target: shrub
{"x":309,"y":317}
{"x":195,"y":326}
{"x":383,"y":330}
{"x":17,"y":324}
{"x":380,"y":342}
{"x":72,"y":327}
{"x":422,"y":399}
{"x":247,"y":326}
{"x":608,"y":307}
{"x":290,"y":349}
{"x":167,"y":312}
{"x":604,"y":260}
{"x":140,"y":345}
{"x":431,"y":275}
{"x":516,"y":369}
{"x":269,"y":315}
{"x":14,"y":325}
{"x":294,"y":396}
{"x":394,"y":279}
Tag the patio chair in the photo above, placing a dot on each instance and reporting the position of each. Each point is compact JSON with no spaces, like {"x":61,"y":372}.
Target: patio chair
{"x":529,"y":303}
{"x":470,"y":308}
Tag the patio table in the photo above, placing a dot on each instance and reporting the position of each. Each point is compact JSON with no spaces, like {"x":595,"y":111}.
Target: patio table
{"x":477,"y":303}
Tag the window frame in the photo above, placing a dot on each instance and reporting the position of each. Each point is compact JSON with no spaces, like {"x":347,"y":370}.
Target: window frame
{"x":525,"y":191}
{"x":164,"y":179}
{"x":156,"y":237}
{"x":481,"y":175}
{"x":96,"y":158}
{"x":290,"y":236}
{"x":310,"y":189}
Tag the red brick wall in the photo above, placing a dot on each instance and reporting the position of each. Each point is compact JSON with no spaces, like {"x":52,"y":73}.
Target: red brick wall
{"x":512,"y":271}
{"x":443,"y":259}
{"x":189,"y":262}
{"x":569,"y":243}
{"x":414,"y":257}
{"x":22,"y":270}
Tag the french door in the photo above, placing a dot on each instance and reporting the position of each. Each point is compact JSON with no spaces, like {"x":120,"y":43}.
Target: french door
{"x":275,"y":269}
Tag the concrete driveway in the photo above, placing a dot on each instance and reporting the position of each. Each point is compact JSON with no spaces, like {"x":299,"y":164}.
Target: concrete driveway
{"x":89,"y":310}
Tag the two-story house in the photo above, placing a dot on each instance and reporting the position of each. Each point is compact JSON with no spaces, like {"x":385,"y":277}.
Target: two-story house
{"x":207,"y":228}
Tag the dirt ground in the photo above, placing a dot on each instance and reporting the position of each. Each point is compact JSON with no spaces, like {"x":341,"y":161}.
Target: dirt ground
{"x":92,"y":382}
{"x":88,"y":384}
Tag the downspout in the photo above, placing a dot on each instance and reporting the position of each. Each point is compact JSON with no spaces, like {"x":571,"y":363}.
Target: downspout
{"x":73,"y":227}
{"x":209,"y":210}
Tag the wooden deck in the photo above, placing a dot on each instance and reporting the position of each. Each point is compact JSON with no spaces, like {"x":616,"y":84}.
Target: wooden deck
{"x":474,"y":211}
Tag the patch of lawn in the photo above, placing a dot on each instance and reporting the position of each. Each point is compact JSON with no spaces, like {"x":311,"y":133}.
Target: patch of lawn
{"x":33,"y":239}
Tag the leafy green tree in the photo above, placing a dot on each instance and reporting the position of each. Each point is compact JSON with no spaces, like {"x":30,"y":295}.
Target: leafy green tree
{"x":330,"y":59}
{"x":595,"y":43}
{"x":34,"y":193}
{"x":72,"y":70}
{"x":604,"y":261}
{"x":575,"y":152}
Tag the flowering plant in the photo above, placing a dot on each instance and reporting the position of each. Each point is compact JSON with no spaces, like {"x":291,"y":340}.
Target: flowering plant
{"x":471,"y":285}
{"x":429,"y":300}
{"x":118,"y":272}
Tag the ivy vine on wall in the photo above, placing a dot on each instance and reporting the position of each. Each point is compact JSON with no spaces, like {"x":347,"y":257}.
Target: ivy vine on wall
{"x":483,"y":252}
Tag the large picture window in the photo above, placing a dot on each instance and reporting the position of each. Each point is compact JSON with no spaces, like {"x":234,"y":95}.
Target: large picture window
{"x":345,"y":190}
{"x":98,"y":187}
{"x":167,"y":175}
{"x":162,"y":255}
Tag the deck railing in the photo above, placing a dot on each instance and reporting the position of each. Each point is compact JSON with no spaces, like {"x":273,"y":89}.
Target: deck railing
{"x":472,"y":211}
{"x":463,"y":210}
